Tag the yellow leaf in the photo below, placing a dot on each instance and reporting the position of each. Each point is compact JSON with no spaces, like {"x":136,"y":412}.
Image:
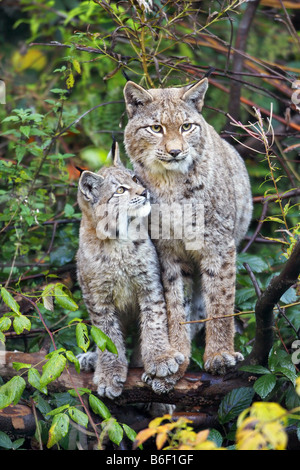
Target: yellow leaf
{"x":298,"y":385}
{"x":207,"y":445}
{"x":250,"y":440}
{"x":202,"y":436}
{"x":266,"y":411}
{"x":156,"y":422}
{"x":33,"y":59}
{"x":275,"y":435}
{"x":70,"y":81}
{"x":142,"y":436}
{"x":161,"y":439}
{"x":77,"y":66}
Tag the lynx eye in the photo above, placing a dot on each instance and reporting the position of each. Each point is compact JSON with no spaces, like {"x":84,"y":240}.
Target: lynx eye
{"x":156,"y":128}
{"x":135,"y":179}
{"x":121,"y":190}
{"x":186,"y":127}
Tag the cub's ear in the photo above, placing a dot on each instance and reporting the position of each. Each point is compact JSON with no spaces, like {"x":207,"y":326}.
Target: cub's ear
{"x":195,"y":94}
{"x":135,"y":96}
{"x":90,"y":185}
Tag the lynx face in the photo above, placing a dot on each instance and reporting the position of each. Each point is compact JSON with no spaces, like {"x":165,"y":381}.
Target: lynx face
{"x":111,"y":195}
{"x":167,"y":134}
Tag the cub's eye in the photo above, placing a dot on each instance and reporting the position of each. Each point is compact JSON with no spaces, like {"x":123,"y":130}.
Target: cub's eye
{"x":156,"y":128}
{"x":121,"y":190}
{"x":186,"y":127}
{"x":135,"y":179}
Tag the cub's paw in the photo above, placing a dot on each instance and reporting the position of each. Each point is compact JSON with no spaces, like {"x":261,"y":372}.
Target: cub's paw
{"x":110,"y":384}
{"x":219,"y":363}
{"x":87,"y":361}
{"x":164,"y":365}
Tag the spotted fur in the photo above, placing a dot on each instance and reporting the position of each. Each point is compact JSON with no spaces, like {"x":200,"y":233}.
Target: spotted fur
{"x":120,"y":280}
{"x":180,"y":158}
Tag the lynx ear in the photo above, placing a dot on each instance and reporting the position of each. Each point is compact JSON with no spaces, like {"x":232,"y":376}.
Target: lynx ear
{"x":90,"y":185}
{"x":135,"y":96}
{"x":114,"y":154}
{"x":195,"y":94}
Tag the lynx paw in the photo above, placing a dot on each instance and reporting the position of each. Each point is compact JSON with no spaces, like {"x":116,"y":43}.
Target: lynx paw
{"x":110,"y":384}
{"x":87,"y":361}
{"x":161,"y":386}
{"x":219,"y":363}
{"x":164,"y":365}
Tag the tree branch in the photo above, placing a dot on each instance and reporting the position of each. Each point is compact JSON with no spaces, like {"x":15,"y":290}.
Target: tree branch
{"x":199,"y":389}
{"x":265,"y":305}
{"x":238,"y":59}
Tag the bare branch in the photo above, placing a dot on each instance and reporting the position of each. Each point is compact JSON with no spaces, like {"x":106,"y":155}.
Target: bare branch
{"x":265,"y":305}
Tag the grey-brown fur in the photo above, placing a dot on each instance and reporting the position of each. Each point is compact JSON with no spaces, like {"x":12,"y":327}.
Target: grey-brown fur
{"x":192,"y":166}
{"x":120,"y":281}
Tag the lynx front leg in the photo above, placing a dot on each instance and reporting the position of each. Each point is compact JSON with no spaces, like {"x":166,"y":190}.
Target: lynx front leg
{"x":160,"y":359}
{"x":179,"y":334}
{"x":110,"y":369}
{"x":218,"y":280}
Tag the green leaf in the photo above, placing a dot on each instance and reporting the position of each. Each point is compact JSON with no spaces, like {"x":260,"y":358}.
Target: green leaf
{"x":59,"y":429}
{"x":17,"y":443}
{"x":82,"y":336}
{"x":58,"y":410}
{"x":11,"y":391}
{"x":53,"y":369}
{"x":256,"y":263}
{"x":234,"y":403}
{"x":78,"y":416}
{"x":10,"y":301}
{"x":63,"y":298}
{"x":2,"y":337}
{"x":130,"y":433}
{"x":21,"y":323}
{"x":244,"y":294}
{"x":115,"y":431}
{"x":102,"y":340}
{"x":34,"y":378}
{"x":264,"y":385}
{"x":215,"y":436}
{"x":21,"y":365}
{"x":5,"y":323}
{"x":56,"y":352}
{"x":80,"y":391}
{"x":255,"y":369}
{"x":98,"y":407}
{"x":72,"y":358}
{"x":5,"y":441}
{"x":25,"y":131}
{"x":289,"y":374}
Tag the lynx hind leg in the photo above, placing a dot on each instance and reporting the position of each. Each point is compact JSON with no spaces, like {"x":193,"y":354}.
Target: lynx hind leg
{"x":88,"y":360}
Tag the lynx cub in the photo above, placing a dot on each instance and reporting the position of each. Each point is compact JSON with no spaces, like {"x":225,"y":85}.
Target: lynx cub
{"x":119,"y":276}
{"x":180,"y":158}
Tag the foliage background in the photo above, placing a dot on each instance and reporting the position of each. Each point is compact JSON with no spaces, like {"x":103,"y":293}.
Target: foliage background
{"x":63,"y":104}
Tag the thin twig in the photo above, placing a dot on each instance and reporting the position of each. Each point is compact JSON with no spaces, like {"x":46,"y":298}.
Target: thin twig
{"x":259,"y":225}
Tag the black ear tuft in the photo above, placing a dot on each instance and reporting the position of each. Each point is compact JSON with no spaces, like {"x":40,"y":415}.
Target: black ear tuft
{"x":209,"y":72}
{"x":125,"y":75}
{"x":81,"y":170}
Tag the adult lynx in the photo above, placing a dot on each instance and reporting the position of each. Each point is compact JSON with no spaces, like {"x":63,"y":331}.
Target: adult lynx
{"x":118,"y":272}
{"x":180,"y":158}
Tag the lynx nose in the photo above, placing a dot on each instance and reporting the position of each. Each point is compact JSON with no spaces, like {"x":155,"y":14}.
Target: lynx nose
{"x":144,"y":193}
{"x":175,"y":152}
